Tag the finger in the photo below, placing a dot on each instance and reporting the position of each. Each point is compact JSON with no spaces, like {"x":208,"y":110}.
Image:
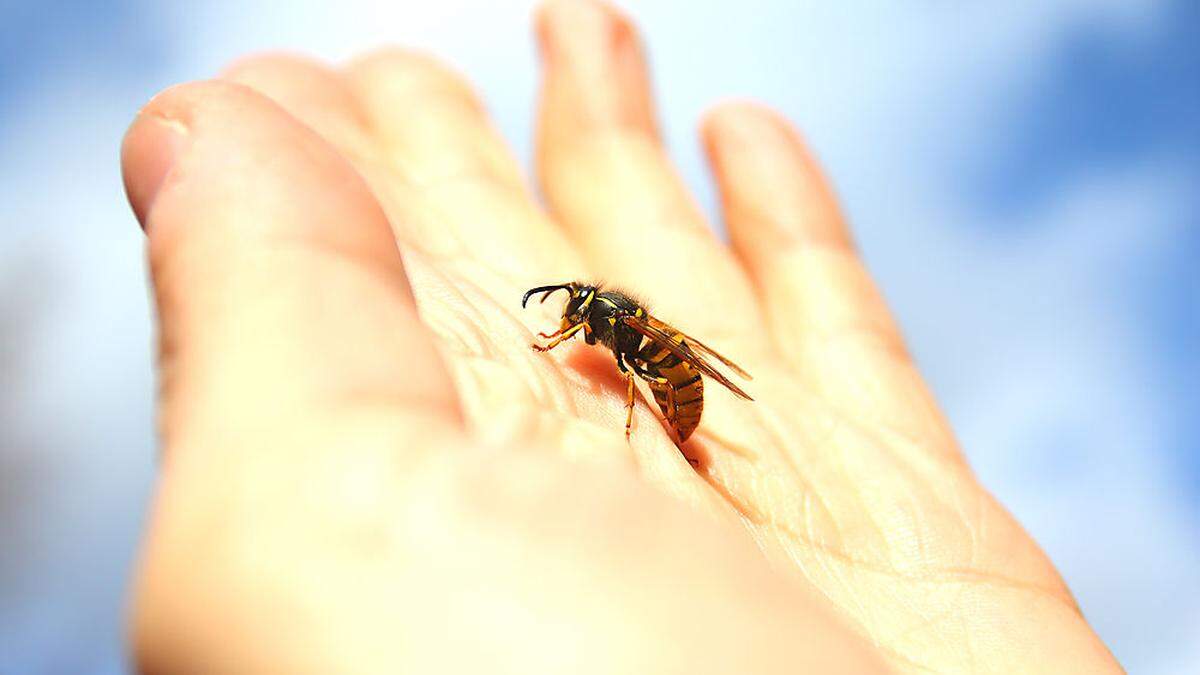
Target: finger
{"x":280,"y":293}
{"x":440,"y":146}
{"x":320,"y":96}
{"x":607,"y":178}
{"x":826,"y":315}
{"x":311,"y":92}
{"x":479,"y":335}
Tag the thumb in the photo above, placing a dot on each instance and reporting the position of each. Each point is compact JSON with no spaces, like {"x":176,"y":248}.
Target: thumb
{"x":280,"y":291}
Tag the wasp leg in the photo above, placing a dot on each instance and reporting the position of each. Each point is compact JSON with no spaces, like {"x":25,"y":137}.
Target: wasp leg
{"x":652,"y":378}
{"x":628,"y":406}
{"x":660,"y":383}
{"x":629,"y":396}
{"x":565,"y":335}
{"x":640,"y":369}
{"x":674,"y":416}
{"x":671,"y":412}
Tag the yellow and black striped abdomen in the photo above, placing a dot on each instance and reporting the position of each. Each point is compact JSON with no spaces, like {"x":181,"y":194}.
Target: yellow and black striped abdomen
{"x":679,"y":393}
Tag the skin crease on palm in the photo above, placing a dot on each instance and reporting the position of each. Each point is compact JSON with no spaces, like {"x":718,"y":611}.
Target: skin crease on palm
{"x":367,"y":469}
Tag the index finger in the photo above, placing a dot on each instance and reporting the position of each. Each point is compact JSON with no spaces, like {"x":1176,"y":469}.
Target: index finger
{"x":280,"y":291}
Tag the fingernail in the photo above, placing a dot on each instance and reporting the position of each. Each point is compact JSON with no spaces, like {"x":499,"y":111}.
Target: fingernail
{"x":578,"y":34}
{"x":762,"y":162}
{"x":148,"y":154}
{"x":593,"y":64}
{"x":737,"y":125}
{"x":751,"y":142}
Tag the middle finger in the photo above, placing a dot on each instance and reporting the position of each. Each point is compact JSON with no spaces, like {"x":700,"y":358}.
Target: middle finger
{"x":607,"y":177}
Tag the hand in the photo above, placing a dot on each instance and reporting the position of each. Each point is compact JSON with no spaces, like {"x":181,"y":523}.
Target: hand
{"x":367,"y":469}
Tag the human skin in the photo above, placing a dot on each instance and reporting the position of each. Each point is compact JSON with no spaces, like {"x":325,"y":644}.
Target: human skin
{"x":365,"y":468}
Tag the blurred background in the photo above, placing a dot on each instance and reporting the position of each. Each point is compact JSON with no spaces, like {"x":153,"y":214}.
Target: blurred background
{"x":1022,"y":177}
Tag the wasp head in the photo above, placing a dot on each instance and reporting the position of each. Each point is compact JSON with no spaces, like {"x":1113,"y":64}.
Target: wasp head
{"x":577,"y":304}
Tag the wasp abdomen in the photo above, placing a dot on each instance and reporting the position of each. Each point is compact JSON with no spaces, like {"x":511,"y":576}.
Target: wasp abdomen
{"x":681,"y":396}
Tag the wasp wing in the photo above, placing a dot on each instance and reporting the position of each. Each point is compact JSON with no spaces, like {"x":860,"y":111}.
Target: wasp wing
{"x":698,"y":345}
{"x":701,"y":347}
{"x":682,"y":346}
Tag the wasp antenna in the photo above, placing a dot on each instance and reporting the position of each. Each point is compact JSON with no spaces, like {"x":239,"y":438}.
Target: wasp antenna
{"x":544,"y":290}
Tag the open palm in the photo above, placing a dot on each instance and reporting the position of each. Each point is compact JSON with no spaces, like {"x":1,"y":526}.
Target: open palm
{"x":367,"y":467}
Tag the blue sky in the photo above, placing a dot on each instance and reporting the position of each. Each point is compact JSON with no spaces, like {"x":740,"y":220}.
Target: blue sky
{"x":1021,"y":176}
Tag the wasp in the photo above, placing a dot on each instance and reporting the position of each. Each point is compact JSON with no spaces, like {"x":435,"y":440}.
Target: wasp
{"x":670,"y":362}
